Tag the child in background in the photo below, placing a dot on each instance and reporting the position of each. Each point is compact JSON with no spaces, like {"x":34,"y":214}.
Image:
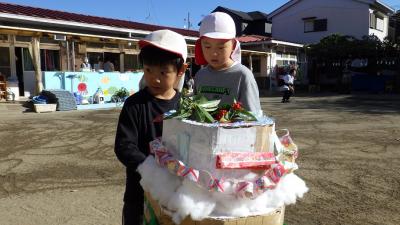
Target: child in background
{"x":163,"y":54}
{"x":223,"y":77}
{"x":287,"y":87}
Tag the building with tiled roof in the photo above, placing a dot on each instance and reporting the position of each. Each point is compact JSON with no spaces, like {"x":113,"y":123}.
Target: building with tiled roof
{"x":62,"y":40}
{"x":65,"y":39}
{"x":67,"y":20}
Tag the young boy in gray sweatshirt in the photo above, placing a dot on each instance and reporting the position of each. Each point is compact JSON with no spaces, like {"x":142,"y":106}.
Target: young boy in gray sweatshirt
{"x":223,"y":77}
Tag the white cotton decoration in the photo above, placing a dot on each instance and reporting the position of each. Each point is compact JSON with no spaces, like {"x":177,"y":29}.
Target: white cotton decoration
{"x":158,"y":181}
{"x":192,"y":200}
{"x":184,"y":198}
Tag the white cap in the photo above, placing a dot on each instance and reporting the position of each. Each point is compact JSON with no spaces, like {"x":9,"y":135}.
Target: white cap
{"x":218,"y":25}
{"x":167,"y":40}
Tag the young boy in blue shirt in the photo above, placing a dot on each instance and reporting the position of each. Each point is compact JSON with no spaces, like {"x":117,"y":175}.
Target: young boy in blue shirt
{"x":163,"y":55}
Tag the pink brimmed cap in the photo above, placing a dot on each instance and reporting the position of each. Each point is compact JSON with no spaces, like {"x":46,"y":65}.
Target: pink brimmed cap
{"x":167,"y":40}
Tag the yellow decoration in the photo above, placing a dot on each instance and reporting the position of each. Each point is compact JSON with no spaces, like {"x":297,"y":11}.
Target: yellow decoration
{"x":105,"y":92}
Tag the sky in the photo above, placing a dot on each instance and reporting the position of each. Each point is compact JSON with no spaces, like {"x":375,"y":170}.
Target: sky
{"x":171,"y":13}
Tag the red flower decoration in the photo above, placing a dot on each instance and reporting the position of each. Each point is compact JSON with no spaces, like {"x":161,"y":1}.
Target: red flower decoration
{"x":82,"y":87}
{"x":221,"y":113}
{"x":237,"y":106}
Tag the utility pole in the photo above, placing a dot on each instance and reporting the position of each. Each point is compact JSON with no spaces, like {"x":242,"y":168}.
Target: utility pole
{"x":189,"y":24}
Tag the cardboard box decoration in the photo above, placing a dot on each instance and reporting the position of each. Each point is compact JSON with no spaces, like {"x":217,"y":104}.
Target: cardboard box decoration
{"x":197,"y":145}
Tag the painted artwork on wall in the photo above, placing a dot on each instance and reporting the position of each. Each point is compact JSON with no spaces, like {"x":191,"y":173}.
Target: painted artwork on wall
{"x":87,"y":83}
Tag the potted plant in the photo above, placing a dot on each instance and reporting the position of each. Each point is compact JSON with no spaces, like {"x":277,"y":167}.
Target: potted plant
{"x":120,"y":95}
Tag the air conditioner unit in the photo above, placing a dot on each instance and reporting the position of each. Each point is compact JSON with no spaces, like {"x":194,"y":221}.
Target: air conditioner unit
{"x":60,"y":37}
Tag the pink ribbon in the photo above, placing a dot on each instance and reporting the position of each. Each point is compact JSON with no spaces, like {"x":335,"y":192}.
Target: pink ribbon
{"x":244,"y":188}
{"x":216,"y":185}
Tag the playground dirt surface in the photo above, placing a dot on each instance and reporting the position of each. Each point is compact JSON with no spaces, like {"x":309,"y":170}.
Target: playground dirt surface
{"x":60,"y":167}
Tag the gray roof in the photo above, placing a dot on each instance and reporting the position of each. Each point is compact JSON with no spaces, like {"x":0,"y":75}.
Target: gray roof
{"x":250,"y":16}
{"x":257,"y":15}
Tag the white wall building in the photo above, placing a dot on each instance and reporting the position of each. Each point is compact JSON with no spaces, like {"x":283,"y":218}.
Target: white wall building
{"x":308,"y":21}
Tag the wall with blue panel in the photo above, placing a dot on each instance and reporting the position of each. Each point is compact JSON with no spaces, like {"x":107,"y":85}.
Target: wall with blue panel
{"x":86,"y":83}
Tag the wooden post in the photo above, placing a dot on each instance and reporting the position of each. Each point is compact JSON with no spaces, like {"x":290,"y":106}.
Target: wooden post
{"x":13,"y":67}
{"x":35,"y":54}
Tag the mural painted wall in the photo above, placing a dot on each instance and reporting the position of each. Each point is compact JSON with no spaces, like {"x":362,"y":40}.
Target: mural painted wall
{"x":86,"y":83}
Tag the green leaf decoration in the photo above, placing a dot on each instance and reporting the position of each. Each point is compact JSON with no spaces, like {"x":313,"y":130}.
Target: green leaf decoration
{"x":249,"y":115}
{"x":206,"y":116}
{"x":210,"y":104}
{"x":200,"y":109}
{"x":211,"y":109}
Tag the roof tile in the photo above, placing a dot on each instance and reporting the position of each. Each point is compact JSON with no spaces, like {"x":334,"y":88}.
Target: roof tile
{"x":74,"y":17}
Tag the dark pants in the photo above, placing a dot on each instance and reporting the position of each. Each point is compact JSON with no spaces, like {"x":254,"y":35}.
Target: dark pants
{"x":286,"y":95}
{"x":132,"y":213}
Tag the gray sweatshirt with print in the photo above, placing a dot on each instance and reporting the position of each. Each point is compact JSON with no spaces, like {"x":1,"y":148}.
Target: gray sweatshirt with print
{"x":236,"y":82}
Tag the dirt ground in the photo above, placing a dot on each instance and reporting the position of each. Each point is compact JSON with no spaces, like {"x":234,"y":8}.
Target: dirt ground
{"x":60,"y":168}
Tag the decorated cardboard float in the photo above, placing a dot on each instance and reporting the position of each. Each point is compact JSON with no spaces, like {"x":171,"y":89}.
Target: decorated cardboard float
{"x":219,"y":165}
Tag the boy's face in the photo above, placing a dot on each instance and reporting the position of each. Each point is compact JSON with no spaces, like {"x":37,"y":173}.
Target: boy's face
{"x":161,"y":80}
{"x":217,"y":52}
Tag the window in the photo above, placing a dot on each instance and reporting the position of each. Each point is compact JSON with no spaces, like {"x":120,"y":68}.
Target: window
{"x":379,"y":24}
{"x":256,"y":63}
{"x":131,"y":46}
{"x":285,"y":63}
{"x":23,"y":38}
{"x":94,"y":45}
{"x":5,"y":68}
{"x":3,"y":37}
{"x":28,"y":65}
{"x":96,"y":60}
{"x":372,"y":21}
{"x":313,"y":25}
{"x":111,"y":45}
{"x":245,"y":62}
{"x":50,"y":60}
{"x":309,"y":26}
{"x":376,"y":22}
{"x":268,"y":28}
{"x":48,"y":40}
{"x":131,"y":62}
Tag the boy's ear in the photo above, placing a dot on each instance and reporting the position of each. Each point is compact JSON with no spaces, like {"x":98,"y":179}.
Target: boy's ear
{"x":233,"y":44}
{"x":182,"y":70}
